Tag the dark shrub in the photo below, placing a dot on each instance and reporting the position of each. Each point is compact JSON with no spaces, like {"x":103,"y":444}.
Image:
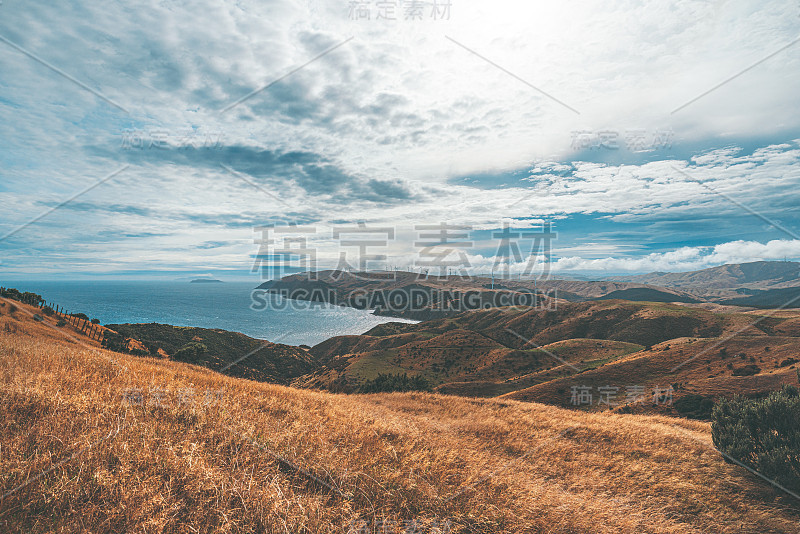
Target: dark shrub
{"x":392,"y":382}
{"x":37,"y":317}
{"x":747,"y":370}
{"x":694,"y":406}
{"x":787,"y":362}
{"x":47,"y":310}
{"x":81,"y":316}
{"x":190,"y":351}
{"x":12,"y":308}
{"x":61,"y":322}
{"x":151,"y":346}
{"x":26,"y":297}
{"x":114,"y":341}
{"x":95,"y":321}
{"x":763,"y":434}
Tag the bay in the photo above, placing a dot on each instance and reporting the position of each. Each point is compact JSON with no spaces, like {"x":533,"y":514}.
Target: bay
{"x":212,"y":305}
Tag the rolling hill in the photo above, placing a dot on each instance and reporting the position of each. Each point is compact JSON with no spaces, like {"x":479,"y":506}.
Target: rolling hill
{"x":220,"y":349}
{"x":425,"y":297}
{"x":768,"y":298}
{"x":753,"y":275}
{"x":527,"y":353}
{"x":97,"y":441}
{"x":523,"y":353}
{"x":542,"y":354}
{"x":646,"y":294}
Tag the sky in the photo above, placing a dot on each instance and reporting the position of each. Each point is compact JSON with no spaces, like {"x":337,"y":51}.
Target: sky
{"x":156,"y":139}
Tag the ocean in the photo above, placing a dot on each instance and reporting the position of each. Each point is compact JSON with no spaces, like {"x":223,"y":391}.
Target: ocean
{"x":213,"y":305}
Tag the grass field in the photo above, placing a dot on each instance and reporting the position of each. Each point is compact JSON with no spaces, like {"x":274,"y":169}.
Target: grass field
{"x":95,"y":441}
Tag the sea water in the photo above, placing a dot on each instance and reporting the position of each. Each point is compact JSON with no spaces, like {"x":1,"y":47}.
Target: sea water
{"x":224,"y":305}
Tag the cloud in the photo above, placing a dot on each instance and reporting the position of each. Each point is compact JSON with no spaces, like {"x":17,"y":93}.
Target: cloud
{"x":397,"y":126}
{"x":686,"y":258}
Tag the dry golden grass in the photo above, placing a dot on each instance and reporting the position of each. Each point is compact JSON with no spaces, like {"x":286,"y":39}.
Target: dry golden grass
{"x":212,"y":465}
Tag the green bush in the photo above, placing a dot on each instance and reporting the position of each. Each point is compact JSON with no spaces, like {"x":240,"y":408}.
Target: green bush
{"x":395,"y":382}
{"x":763,"y":434}
{"x":694,"y":406}
{"x":61,"y":322}
{"x":190,"y":351}
{"x":47,"y":310}
{"x":746,"y":370}
{"x":95,"y":321}
{"x":151,"y":347}
{"x":114,"y":341}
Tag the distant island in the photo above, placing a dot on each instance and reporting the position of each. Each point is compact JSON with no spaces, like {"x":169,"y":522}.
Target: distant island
{"x":205,"y":281}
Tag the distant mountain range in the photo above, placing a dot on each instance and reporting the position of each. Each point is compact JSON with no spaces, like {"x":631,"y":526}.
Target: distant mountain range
{"x":754,"y":275}
{"x":767,"y":284}
{"x":758,"y":284}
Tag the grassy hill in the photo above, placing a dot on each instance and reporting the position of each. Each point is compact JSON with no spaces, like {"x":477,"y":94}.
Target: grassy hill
{"x":760,"y":280}
{"x":529,"y":355}
{"x":434,"y":297}
{"x":80,"y":455}
{"x":768,"y":298}
{"x":498,"y":351}
{"x":706,"y":368}
{"x":646,"y":294}
{"x":727,"y":282}
{"x":266,"y":361}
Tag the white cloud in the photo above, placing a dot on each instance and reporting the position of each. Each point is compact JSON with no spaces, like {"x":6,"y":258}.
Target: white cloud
{"x":400,"y":108}
{"x":686,"y":258}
